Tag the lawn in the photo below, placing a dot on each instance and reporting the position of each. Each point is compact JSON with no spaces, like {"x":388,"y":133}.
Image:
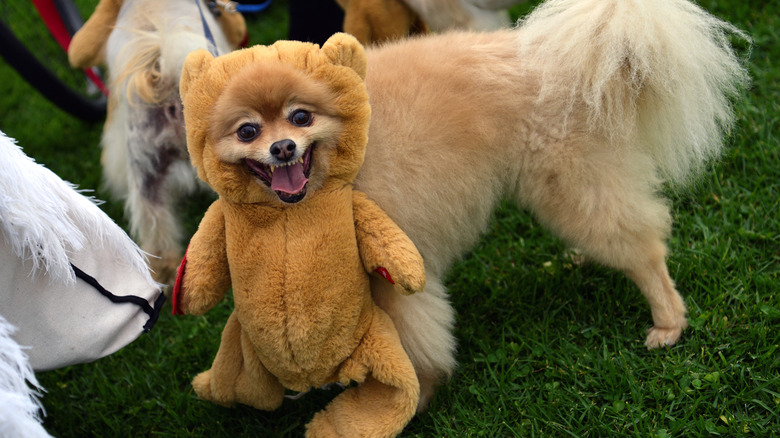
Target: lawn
{"x":546,"y":348}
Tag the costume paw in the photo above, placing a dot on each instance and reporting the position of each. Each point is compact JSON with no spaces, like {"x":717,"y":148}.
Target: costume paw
{"x":191,"y":304}
{"x":412,"y":284}
{"x":202,"y":385}
{"x":321,"y":427}
{"x":408,"y":284}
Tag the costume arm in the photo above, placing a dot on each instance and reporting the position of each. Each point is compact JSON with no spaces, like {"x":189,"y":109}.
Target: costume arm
{"x":203,"y":277}
{"x":385,"y":248}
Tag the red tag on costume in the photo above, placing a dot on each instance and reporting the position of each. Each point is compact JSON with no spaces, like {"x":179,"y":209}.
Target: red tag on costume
{"x":176,"y":294}
{"x":383,"y":272}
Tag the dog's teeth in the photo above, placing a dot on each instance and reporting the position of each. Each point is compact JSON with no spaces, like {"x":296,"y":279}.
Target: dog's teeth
{"x":300,"y":160}
{"x":273,"y":168}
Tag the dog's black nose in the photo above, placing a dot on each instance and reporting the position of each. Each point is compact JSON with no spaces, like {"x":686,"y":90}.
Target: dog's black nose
{"x":283,"y":150}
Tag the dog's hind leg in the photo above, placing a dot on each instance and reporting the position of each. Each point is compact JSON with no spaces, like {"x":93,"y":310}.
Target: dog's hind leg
{"x":606,"y":205}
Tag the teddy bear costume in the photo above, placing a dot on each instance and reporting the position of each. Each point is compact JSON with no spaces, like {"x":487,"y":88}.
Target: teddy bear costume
{"x":303,"y":316}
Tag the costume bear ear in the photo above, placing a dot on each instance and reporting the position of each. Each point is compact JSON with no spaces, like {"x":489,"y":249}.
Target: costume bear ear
{"x":196,"y":63}
{"x":344,"y":49}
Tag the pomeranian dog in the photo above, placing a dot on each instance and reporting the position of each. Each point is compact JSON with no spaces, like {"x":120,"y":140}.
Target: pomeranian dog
{"x":143,"y":44}
{"x":582,"y":114}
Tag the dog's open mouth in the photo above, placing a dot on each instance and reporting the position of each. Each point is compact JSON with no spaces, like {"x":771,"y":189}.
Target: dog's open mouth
{"x":288,"y":180}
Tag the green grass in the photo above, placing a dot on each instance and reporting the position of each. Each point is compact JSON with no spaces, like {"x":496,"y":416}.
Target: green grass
{"x":545,"y":348}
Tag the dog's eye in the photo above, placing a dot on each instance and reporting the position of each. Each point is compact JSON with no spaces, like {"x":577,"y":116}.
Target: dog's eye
{"x":248,"y":132}
{"x":301,"y":118}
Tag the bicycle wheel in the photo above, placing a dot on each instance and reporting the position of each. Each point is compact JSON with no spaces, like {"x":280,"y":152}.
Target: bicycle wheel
{"x":29,"y":47}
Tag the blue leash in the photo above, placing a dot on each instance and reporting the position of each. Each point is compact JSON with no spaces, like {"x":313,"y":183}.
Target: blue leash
{"x":253,"y":7}
{"x":243,"y":8}
{"x":207,"y":31}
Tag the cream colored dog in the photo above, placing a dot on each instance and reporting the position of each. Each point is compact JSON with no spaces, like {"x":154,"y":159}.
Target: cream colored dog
{"x":580,"y":114}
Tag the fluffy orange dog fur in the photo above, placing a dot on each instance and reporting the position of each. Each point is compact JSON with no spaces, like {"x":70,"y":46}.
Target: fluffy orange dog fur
{"x":297,"y":254}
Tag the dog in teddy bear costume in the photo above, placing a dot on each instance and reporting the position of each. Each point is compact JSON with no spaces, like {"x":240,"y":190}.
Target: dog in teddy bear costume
{"x":293,"y":239}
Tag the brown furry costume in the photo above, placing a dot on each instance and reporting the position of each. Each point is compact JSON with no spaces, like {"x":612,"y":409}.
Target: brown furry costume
{"x":303,"y":314}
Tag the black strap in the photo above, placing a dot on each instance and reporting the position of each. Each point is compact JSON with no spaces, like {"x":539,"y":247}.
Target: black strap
{"x":153,"y":312}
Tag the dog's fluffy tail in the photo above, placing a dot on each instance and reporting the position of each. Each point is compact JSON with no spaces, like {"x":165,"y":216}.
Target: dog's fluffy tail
{"x":660,"y":75}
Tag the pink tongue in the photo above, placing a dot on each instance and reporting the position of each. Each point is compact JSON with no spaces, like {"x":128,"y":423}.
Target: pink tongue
{"x":289,"y":179}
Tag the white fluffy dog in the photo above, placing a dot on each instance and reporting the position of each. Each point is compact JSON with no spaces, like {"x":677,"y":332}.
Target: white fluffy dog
{"x":145,"y":161}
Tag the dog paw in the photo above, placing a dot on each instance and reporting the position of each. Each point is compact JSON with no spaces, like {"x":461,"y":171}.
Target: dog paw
{"x":407,"y":284}
{"x":660,"y":337}
{"x":576,"y":257}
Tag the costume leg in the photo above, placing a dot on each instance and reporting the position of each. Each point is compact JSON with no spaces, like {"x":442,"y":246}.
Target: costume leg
{"x":237,"y":375}
{"x":385,"y":400}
